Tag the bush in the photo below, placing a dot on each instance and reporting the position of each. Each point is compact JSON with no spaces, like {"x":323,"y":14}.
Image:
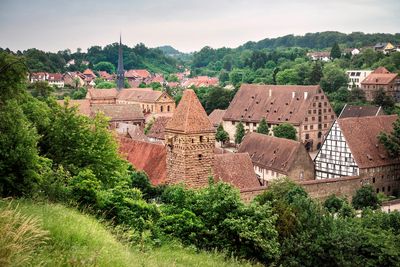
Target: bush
{"x":365,"y":197}
{"x":333,"y":204}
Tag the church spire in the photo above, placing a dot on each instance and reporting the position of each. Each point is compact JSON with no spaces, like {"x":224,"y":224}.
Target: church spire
{"x":120,"y":69}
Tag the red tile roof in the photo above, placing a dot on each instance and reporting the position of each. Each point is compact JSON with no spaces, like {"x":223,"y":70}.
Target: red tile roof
{"x":216,"y":116}
{"x":117,"y":112}
{"x":189,"y":116}
{"x":89,"y":72}
{"x":145,"y":156}
{"x":235,"y":169}
{"x":137,"y":74}
{"x":270,"y":152}
{"x":102,"y":93}
{"x":139,"y":95}
{"x":361,"y":137}
{"x":360,"y":111}
{"x":83,"y":105}
{"x":379,"y":78}
{"x":381,"y":70}
{"x":275,"y":103}
{"x":157,"y":130}
{"x":55,"y":77}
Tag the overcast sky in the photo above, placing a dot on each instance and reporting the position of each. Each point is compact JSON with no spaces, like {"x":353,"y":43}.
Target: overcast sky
{"x":53,"y":25}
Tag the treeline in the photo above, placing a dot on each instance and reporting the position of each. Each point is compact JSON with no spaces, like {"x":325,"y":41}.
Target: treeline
{"x":321,"y":40}
{"x":137,"y":57}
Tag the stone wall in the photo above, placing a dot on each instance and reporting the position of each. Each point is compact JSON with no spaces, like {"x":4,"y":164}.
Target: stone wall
{"x":317,"y":189}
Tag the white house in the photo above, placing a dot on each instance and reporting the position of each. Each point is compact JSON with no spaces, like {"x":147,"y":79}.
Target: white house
{"x":356,"y":77}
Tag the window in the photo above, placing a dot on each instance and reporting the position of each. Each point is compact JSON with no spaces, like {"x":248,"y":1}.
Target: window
{"x":307,"y":136}
{"x":383,"y":189}
{"x":200,"y":156}
{"x":377,"y":190}
{"x":201,"y":139}
{"x":373,"y":180}
{"x":168,"y":109}
{"x":311,"y":127}
{"x":162,"y":108}
{"x":305,"y":127}
{"x":233,"y":123}
{"x":247,"y":124}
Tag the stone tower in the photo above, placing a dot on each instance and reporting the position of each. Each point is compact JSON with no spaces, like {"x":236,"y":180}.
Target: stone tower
{"x":190,"y":140}
{"x":120,"y":69}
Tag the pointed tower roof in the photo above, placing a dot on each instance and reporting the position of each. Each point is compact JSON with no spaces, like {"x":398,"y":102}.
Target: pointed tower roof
{"x":189,"y":116}
{"x":120,"y":69}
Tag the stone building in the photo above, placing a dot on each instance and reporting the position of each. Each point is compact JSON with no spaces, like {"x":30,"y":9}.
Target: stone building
{"x":381,"y":78}
{"x":351,"y":148}
{"x":305,"y":107}
{"x":356,"y":77}
{"x":150,"y":100}
{"x":190,"y":138}
{"x":274,"y":157}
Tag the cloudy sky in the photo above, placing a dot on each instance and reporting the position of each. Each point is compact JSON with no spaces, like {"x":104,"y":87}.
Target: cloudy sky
{"x":53,"y":25}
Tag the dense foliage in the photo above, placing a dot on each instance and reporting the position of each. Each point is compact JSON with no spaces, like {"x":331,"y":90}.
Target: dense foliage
{"x":391,"y":141}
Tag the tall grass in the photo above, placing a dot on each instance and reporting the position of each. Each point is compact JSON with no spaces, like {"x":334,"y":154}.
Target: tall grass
{"x":20,"y":235}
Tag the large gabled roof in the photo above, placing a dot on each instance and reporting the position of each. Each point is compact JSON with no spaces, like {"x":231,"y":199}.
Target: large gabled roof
{"x":139,"y":95}
{"x":102,"y":93}
{"x":361,"y":135}
{"x":275,"y":103}
{"x":360,"y":111}
{"x":270,"y":152}
{"x":216,"y":116}
{"x":119,"y":111}
{"x":189,"y":116}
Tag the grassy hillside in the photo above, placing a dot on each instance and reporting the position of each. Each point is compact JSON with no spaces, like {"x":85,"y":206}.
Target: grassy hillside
{"x":75,"y":239}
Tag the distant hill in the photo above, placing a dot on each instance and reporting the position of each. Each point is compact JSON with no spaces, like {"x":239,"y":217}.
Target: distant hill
{"x":169,"y":50}
{"x":320,"y":40}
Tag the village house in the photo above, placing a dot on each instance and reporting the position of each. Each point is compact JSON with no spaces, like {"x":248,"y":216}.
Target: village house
{"x":136,"y":77}
{"x":322,"y":56}
{"x":102,"y":96}
{"x":352,"y":148}
{"x":157,"y":129}
{"x":216,"y":117}
{"x":381,"y":78}
{"x":55,"y":79}
{"x":356,"y":77}
{"x":200,"y":81}
{"x":384,"y":47}
{"x":150,"y":100}
{"x":274,"y":157}
{"x":74,"y":79}
{"x":89,"y":77}
{"x":38,"y":77}
{"x":106,"y":76}
{"x":305,"y":107}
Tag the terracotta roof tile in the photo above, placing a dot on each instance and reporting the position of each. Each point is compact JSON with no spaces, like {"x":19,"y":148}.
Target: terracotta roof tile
{"x":216,"y":116}
{"x":89,"y":72}
{"x":137,"y":74}
{"x":102,"y":93}
{"x":379,"y":78}
{"x":145,"y":156}
{"x":235,"y":169}
{"x":276,"y":103}
{"x":119,"y":111}
{"x":55,"y":77}
{"x":139,"y":94}
{"x":270,"y":152}
{"x":131,"y":131}
{"x":381,"y":70}
{"x":157,"y":130}
{"x":189,"y":116}
{"x":360,"y":111}
{"x":83,"y":105}
{"x":361,"y":137}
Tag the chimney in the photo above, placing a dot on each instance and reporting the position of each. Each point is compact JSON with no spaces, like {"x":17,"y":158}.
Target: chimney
{"x":270,"y":92}
{"x":305,"y":95}
{"x":293,"y":94}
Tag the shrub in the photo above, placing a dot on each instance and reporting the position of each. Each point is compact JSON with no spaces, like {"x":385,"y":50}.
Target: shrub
{"x":333,"y":204}
{"x":365,"y":197}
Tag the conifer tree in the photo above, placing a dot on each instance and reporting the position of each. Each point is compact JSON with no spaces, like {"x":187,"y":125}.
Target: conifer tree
{"x":221,"y":135}
{"x":239,"y":133}
{"x":263,"y":127}
{"x":335,"y":51}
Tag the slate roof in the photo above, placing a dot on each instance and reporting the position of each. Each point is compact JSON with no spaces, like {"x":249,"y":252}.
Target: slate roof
{"x":360,"y":111}
{"x":276,"y":103}
{"x":119,"y":111}
{"x":235,"y":169}
{"x":216,"y":116}
{"x":102,"y":93}
{"x":157,"y":130}
{"x":189,"y":116}
{"x":146,"y":156}
{"x":139,"y":94}
{"x":361,"y":135}
{"x":270,"y":152}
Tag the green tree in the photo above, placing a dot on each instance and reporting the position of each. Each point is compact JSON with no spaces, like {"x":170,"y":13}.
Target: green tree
{"x":221,"y":135}
{"x":384,"y":100}
{"x":335,"y":51}
{"x":316,"y":73}
{"x":285,"y":130}
{"x":239,"y":133}
{"x":263,"y":127}
{"x":365,"y":197}
{"x":106,"y":85}
{"x":288,"y":76}
{"x":105,"y":66}
{"x":391,"y":141}
{"x":334,"y":78}
{"x":333,"y":203}
{"x":40,"y":89}
{"x":19,"y":157}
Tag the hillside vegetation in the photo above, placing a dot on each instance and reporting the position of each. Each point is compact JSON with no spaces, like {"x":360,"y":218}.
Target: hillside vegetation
{"x":76,"y":239}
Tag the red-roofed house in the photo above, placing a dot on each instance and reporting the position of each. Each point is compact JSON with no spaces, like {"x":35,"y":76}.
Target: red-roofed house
{"x":381,"y":78}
